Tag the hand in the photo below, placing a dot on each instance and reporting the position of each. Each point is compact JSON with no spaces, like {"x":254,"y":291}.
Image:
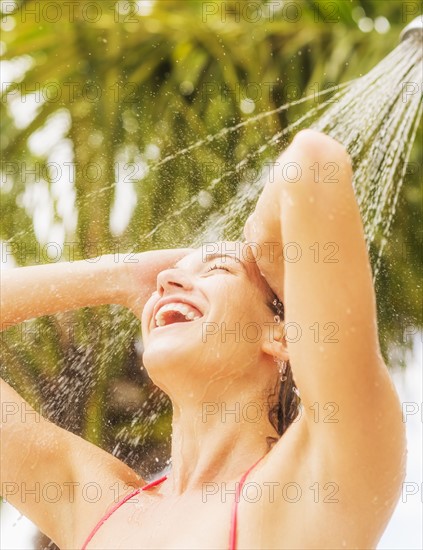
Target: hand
{"x":139,"y":275}
{"x":267,"y":250}
{"x":263,"y":229}
{"x":291,"y":183}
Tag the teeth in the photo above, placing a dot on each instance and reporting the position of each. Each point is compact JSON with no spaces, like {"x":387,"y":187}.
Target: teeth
{"x":186,"y":310}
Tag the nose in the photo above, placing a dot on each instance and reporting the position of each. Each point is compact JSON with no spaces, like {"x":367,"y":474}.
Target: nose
{"x":173,"y":279}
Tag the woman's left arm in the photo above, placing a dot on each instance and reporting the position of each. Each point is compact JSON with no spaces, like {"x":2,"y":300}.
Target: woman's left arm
{"x":323,"y":275}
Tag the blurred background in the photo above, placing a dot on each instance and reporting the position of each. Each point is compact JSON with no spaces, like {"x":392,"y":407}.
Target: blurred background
{"x":96,"y":96}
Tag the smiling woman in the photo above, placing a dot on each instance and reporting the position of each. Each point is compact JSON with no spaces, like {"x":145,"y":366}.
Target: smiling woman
{"x":180,"y":304}
{"x":339,"y":461}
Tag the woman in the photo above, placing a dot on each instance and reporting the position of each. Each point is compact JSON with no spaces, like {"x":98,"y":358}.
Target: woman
{"x":213,"y":343}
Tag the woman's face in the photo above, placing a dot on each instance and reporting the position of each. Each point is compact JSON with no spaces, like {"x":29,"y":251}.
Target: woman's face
{"x":208,"y":318}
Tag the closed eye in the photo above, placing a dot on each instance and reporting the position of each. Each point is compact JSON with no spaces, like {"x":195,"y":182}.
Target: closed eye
{"x":215,"y":266}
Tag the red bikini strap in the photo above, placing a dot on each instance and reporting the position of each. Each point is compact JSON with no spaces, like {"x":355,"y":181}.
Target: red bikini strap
{"x":234,"y":518}
{"x":153,"y":483}
{"x":118,"y":505}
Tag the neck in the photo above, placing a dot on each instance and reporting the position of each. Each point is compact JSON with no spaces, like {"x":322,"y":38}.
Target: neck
{"x":215,"y":441}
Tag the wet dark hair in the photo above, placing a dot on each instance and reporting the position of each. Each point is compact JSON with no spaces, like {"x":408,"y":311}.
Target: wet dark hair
{"x":285,"y":408}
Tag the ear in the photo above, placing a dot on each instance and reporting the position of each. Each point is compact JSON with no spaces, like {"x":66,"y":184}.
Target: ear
{"x":274,"y":343}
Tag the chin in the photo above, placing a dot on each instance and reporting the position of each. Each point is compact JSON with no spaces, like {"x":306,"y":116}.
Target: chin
{"x":176,"y":355}
{"x":169,"y":353}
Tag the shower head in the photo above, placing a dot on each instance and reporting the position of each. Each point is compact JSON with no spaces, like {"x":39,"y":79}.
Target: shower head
{"x":414,"y":28}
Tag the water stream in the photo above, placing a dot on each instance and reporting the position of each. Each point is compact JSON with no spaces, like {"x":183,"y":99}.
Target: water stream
{"x":376,"y":117}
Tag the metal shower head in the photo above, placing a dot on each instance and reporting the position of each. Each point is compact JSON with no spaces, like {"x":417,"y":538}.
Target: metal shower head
{"x":414,"y":28}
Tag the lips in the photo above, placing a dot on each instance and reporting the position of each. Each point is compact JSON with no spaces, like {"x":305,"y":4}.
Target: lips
{"x":173,"y":310}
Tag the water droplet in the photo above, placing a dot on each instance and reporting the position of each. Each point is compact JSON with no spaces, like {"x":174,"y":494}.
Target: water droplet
{"x":205,"y":200}
{"x":186,"y":87}
{"x":247,"y":106}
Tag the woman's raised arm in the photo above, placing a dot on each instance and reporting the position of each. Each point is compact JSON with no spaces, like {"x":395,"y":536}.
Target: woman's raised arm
{"x":323,"y":275}
{"x":126,"y":279}
{"x":36,"y":455}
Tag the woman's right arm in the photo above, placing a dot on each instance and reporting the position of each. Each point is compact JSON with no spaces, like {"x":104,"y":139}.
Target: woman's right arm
{"x":45,"y":470}
{"x":126,"y":279}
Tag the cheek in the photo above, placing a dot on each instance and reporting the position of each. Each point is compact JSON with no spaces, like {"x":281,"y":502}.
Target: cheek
{"x":244,"y":305}
{"x":144,"y":322}
{"x":147,"y":313}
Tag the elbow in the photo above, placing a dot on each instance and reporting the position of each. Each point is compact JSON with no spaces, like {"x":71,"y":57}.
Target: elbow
{"x":322,"y":159}
{"x":319,"y":144}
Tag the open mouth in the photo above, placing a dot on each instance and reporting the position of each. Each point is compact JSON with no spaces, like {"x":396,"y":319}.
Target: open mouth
{"x":176,"y":312}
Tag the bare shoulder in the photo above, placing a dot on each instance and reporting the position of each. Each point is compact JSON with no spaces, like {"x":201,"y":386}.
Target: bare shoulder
{"x":354,"y":460}
{"x":99,"y":480}
{"x":58,"y":480}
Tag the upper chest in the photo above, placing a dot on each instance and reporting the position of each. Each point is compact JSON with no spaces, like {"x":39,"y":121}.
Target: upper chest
{"x":270,"y":514}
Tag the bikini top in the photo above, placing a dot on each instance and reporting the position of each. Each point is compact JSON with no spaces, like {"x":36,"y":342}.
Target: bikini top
{"x":234,"y":514}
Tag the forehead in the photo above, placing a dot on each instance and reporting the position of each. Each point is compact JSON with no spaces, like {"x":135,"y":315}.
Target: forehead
{"x":236,"y":250}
